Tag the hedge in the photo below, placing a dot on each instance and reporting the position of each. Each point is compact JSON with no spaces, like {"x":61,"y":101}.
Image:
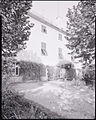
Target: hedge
{"x":31,"y":71}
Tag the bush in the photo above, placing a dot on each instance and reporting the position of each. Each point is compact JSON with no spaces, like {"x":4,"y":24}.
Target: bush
{"x":70,"y":74}
{"x":89,"y":74}
{"x":31,"y":71}
{"x":70,"y":71}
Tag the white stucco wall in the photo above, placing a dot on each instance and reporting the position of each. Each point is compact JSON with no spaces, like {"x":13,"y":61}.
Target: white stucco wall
{"x":33,"y":50}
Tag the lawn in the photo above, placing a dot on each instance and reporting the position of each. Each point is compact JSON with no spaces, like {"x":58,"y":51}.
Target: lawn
{"x":65,"y":98}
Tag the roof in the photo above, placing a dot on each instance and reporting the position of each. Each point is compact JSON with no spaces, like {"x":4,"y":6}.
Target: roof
{"x":44,"y":21}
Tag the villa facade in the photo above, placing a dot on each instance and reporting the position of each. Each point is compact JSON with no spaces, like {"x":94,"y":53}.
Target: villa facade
{"x":46,"y":43}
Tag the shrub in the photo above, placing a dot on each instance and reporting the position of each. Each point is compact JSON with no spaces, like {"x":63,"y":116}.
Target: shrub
{"x":70,"y":71}
{"x":89,"y":74}
{"x":70,"y":74}
{"x":31,"y":71}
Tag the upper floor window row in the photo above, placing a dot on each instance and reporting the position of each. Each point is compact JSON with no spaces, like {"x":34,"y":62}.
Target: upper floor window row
{"x":44,"y":30}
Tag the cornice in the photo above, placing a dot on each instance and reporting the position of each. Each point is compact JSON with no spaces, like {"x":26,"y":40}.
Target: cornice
{"x":40,"y":19}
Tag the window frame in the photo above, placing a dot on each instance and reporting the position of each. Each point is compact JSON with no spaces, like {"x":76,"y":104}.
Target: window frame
{"x":60,"y":55}
{"x":43,"y":29}
{"x":43,"y":49}
{"x":60,"y":36}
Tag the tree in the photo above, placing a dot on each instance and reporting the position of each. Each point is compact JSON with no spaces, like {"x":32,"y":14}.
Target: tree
{"x":80,"y":31}
{"x":15,"y":25}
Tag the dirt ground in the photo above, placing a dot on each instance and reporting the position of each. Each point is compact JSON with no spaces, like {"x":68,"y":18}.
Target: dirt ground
{"x":65,"y":98}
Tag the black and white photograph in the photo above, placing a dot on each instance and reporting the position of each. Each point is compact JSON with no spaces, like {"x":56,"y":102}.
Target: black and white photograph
{"x":48,"y":59}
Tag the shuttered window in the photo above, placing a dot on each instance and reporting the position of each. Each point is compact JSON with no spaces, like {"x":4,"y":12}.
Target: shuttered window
{"x":43,"y":48}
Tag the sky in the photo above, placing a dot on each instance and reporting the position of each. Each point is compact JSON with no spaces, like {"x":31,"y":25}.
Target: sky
{"x":54,"y":11}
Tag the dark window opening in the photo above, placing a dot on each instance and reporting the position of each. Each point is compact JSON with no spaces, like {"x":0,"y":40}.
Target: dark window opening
{"x":17,"y":71}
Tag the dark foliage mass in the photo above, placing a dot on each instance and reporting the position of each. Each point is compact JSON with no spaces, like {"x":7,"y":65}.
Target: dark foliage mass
{"x":15,"y":25}
{"x":70,"y":71}
{"x":89,"y":74}
{"x":80,"y":31}
{"x":8,"y":65}
{"x":31,"y":70}
{"x":15,"y":106}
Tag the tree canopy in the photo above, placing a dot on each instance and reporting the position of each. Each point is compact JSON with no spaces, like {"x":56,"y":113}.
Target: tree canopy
{"x":15,"y":25}
{"x":80,"y":31}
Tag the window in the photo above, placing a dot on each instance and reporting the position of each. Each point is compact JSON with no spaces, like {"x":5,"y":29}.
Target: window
{"x":59,"y":36}
{"x":17,"y":70}
{"x":43,"y":49}
{"x":60,"y":53}
{"x":43,"y":29}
